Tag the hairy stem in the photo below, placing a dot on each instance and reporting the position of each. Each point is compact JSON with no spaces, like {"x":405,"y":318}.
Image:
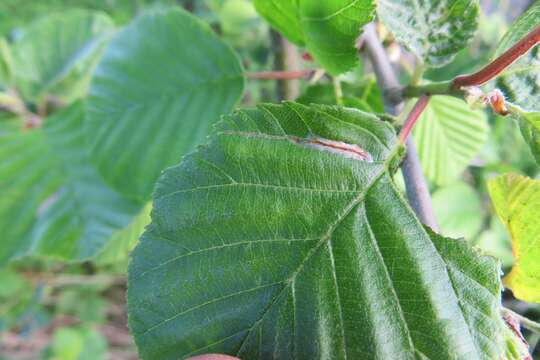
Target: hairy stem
{"x":417,"y":189}
{"x":502,"y":62}
{"x":413,"y":116}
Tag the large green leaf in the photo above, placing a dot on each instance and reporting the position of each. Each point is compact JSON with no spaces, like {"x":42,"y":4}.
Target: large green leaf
{"x":434,"y":30}
{"x":328,"y":29}
{"x":55,"y":54}
{"x":272,"y":241}
{"x":161,"y":84}
{"x":521,"y":81}
{"x":448,"y":135}
{"x":517,"y":202}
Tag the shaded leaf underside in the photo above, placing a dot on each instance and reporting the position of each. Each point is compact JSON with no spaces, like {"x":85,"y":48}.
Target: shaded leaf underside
{"x":265,"y":246}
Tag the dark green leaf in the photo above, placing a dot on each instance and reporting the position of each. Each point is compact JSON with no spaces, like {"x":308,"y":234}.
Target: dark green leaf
{"x":328,"y":29}
{"x":264,"y":244}
{"x":434,"y":30}
{"x":55,"y":54}
{"x":161,"y":84}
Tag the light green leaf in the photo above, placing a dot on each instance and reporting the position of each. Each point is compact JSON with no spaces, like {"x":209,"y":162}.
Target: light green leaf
{"x":433,"y":30}
{"x":80,"y":218}
{"x":517,"y":202}
{"x":28,"y":177}
{"x":449,"y":135}
{"x":6,"y":62}
{"x":458,"y":210}
{"x":56,"y":54}
{"x":328,"y":29}
{"x":521,"y":81}
{"x":269,"y":243}
{"x":123,"y":241}
{"x":78,"y":344}
{"x":283,"y":15}
{"x":161,"y":84}
{"x":54,"y":202}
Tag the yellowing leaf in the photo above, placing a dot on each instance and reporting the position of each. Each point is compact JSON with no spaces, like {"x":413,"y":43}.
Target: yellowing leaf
{"x":517,"y":202}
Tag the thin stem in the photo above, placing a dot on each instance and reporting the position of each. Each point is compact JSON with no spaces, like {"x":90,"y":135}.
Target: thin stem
{"x":280,"y":75}
{"x":416,"y":186}
{"x":523,"y":321}
{"x":413,"y":117}
{"x":338,"y":91}
{"x":502,"y":62}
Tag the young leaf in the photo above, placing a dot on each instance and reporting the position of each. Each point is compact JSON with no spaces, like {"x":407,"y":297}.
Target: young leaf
{"x":162,"y":82}
{"x":433,"y":30}
{"x":278,"y":240}
{"x":55,"y":54}
{"x":448,"y":135}
{"x":521,"y":81}
{"x":517,"y":202}
{"x":328,"y":29}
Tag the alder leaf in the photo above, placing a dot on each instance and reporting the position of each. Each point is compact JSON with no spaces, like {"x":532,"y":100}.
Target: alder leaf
{"x":161,"y":84}
{"x":328,"y":29}
{"x":84,"y":213}
{"x":448,"y":135}
{"x":29,"y":176}
{"x":283,"y":15}
{"x":433,"y":30}
{"x":56,"y":54}
{"x":521,"y":81}
{"x":54,"y":203}
{"x":517,"y":202}
{"x":277,"y":239}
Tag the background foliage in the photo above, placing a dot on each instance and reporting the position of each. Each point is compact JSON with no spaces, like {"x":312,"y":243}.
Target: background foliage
{"x":62,"y":295}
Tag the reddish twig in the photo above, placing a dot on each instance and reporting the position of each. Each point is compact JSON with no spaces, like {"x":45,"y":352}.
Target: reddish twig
{"x":502,"y":62}
{"x":280,"y":75}
{"x":413,"y":117}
